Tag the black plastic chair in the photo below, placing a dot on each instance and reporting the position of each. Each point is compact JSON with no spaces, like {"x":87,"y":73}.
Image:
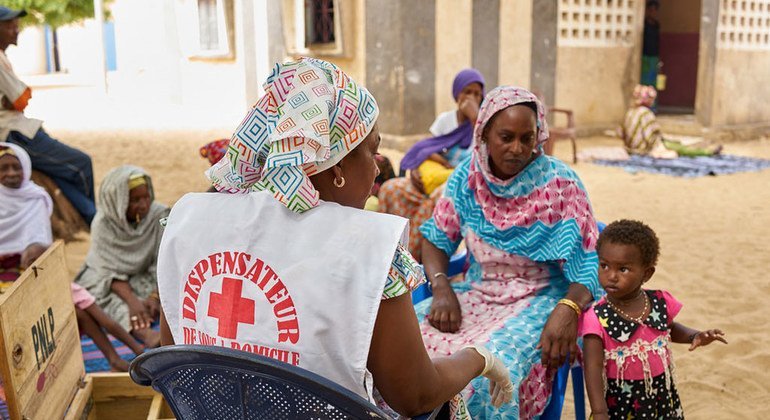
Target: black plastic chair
{"x":201,"y":382}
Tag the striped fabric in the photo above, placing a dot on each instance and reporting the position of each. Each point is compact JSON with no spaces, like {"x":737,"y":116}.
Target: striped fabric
{"x":641,"y":132}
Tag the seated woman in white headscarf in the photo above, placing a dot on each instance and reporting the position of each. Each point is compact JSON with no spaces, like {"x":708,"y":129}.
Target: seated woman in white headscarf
{"x":293,"y":268}
{"x":120,"y":268}
{"x":25,"y":234}
{"x":25,"y":208}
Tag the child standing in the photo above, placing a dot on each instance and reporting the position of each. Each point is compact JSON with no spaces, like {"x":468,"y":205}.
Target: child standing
{"x":626,"y":334}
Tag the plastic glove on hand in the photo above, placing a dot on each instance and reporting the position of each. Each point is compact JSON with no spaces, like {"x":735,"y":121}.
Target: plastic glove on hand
{"x":500,"y":385}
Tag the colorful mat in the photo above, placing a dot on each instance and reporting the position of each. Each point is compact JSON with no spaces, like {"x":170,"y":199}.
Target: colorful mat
{"x":95,"y":360}
{"x":689,"y":167}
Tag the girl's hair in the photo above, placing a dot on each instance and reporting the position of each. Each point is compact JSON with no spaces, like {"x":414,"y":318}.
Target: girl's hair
{"x":632,"y":232}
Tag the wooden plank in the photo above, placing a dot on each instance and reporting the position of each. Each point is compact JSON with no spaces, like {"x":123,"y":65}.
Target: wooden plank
{"x":155,"y":407}
{"x":40,"y":355}
{"x":111,"y":386}
{"x":82,"y":403}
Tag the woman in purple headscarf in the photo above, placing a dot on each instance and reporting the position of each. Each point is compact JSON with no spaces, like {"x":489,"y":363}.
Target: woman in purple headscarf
{"x":431,"y":161}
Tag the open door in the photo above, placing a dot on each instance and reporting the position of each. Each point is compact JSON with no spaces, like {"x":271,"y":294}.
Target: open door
{"x":679,"y":41}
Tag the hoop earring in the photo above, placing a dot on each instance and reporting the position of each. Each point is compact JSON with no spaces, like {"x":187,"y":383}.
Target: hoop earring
{"x":341,"y":183}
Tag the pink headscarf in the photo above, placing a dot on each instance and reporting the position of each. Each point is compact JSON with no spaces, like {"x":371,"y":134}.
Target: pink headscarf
{"x":645,"y":95}
{"x":497,"y":100}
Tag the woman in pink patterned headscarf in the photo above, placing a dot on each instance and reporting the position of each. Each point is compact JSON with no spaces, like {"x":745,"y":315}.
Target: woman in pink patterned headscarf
{"x":529,"y":228}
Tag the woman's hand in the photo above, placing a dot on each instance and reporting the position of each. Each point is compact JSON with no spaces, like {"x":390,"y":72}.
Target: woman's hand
{"x":445,"y":313}
{"x":600,"y":416}
{"x":138,"y":315}
{"x":559,"y":337}
{"x":31,"y":253}
{"x":704,"y":338}
{"x":414,"y":176}
{"x":469,"y":108}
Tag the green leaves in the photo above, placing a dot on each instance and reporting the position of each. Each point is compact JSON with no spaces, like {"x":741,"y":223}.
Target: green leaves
{"x":55,"y":13}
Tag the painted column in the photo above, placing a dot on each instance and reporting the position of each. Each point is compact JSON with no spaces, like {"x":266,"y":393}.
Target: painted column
{"x":544,"y":48}
{"x":247,"y":37}
{"x":704,"y":96}
{"x":401,"y":62}
{"x":486,"y":40}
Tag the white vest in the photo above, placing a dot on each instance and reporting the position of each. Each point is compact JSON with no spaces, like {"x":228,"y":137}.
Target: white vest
{"x":244,"y":272}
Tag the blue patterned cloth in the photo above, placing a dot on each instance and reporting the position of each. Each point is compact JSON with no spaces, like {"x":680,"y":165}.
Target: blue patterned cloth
{"x":689,"y":167}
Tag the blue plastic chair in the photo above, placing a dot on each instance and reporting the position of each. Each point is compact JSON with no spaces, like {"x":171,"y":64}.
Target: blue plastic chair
{"x":458,"y":263}
{"x":203,"y":382}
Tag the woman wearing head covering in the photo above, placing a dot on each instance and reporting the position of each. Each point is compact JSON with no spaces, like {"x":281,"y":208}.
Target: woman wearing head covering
{"x":432,"y":160}
{"x":529,"y":228}
{"x":25,"y":233}
{"x":642,"y":134}
{"x":25,"y":211}
{"x":120,"y":268}
{"x":292,"y":267}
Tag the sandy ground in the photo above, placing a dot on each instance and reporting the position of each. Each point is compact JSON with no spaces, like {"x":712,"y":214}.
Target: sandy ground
{"x":712,"y":229}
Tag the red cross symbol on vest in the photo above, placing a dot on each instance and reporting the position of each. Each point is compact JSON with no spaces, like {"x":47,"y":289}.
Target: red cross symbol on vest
{"x":230,"y":308}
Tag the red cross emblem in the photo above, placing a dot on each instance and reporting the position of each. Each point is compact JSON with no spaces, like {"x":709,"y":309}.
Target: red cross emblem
{"x":230,"y":308}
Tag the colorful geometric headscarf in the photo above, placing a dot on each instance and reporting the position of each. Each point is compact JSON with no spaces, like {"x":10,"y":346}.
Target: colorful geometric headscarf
{"x":311,"y":116}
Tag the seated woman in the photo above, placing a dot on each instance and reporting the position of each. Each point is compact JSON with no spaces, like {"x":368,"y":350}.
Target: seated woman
{"x":642,"y":135}
{"x":25,"y":233}
{"x":262,"y":274}
{"x":528,"y":225}
{"x":25,"y":208}
{"x":120,"y":268}
{"x":432,"y":160}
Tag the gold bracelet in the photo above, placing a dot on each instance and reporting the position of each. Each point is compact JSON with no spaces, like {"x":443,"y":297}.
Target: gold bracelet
{"x":572,"y":305}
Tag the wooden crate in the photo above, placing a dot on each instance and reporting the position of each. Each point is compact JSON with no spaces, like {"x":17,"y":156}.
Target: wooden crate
{"x":41,"y":361}
{"x":115,"y":396}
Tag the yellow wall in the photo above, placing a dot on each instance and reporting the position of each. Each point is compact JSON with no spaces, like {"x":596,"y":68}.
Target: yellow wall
{"x":515,"y":42}
{"x":594,"y":82}
{"x":453,"y":47}
{"x":740,"y":87}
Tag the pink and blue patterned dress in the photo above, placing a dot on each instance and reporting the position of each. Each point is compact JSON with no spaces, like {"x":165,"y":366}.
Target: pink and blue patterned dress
{"x":528,"y":239}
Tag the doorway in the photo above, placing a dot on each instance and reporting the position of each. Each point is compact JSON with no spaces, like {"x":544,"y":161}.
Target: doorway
{"x":679,"y":38}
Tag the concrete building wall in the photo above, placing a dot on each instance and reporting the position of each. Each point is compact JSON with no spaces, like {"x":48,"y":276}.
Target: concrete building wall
{"x":401,"y":63}
{"x":742,"y":64}
{"x":598,"y":60}
{"x":453,"y":47}
{"x":596,"y":83}
{"x":741,"y":88}
{"x":28,"y":57}
{"x":515,"y":42}
{"x":352,"y":57}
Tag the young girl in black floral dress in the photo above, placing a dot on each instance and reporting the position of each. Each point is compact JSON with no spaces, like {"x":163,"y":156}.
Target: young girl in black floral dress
{"x":627,"y":332}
